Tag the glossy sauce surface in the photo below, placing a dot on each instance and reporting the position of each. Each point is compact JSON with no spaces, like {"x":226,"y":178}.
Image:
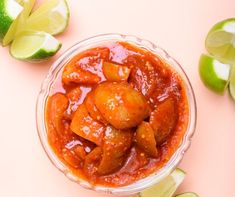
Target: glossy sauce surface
{"x":93,"y":117}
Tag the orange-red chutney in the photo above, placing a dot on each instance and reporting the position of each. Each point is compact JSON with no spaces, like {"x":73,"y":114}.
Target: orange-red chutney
{"x":144,"y":72}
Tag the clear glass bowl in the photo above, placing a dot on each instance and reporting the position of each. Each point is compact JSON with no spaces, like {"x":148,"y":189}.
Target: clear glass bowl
{"x":52,"y":75}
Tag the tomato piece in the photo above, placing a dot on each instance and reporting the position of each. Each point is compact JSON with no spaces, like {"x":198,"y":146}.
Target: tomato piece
{"x":146,"y":140}
{"x":92,"y":161}
{"x":115,"y":72}
{"x":85,"y":126}
{"x":56,"y":107}
{"x":92,"y":109}
{"x":116,"y":144}
{"x":163,"y":120}
{"x":121,"y":105}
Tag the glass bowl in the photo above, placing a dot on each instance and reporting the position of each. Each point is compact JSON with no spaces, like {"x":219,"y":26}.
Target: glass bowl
{"x":45,"y":90}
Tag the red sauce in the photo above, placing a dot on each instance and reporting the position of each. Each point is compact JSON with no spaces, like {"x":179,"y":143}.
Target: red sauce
{"x":116,"y":114}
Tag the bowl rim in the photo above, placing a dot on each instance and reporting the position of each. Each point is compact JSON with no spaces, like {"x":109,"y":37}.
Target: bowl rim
{"x":97,"y":40}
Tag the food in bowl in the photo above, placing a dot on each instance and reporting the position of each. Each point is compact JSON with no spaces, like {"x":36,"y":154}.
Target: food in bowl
{"x":116,"y":113}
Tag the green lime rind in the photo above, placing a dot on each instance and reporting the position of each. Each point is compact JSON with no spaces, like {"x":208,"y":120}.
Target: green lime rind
{"x":34,"y":46}
{"x":166,"y":187}
{"x":232,"y":82}
{"x":19,"y":22}
{"x":5,"y":19}
{"x":220,"y":41}
{"x":51,"y":17}
{"x":209,"y":76}
{"x":39,"y":56}
{"x":221,"y":24}
{"x":42,"y":54}
{"x":187,"y":194}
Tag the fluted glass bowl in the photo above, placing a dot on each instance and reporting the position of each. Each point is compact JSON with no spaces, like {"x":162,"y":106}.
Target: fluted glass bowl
{"x":45,"y":90}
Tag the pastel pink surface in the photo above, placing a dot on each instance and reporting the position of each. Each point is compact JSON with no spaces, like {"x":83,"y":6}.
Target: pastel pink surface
{"x":180,"y":28}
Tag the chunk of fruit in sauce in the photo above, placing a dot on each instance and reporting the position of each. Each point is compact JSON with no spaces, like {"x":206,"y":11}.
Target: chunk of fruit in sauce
{"x":163,"y":119}
{"x":121,"y":105}
{"x":56,"y":107}
{"x":85,"y":126}
{"x":74,"y":74}
{"x":92,"y":161}
{"x":115,"y":72}
{"x":143,"y":75}
{"x":92,"y":109}
{"x":116,"y":144}
{"x":74,"y":95}
{"x":73,"y":158}
{"x":146,"y":140}
{"x":83,"y":68}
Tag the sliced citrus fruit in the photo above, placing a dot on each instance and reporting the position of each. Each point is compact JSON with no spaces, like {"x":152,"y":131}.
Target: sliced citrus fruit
{"x":51,"y":17}
{"x":220,"y":41}
{"x":167,"y":187}
{"x":28,"y":6}
{"x":187,"y":194}
{"x":34,"y":46}
{"x":214,"y":74}
{"x":9,"y":11}
{"x":232,"y":82}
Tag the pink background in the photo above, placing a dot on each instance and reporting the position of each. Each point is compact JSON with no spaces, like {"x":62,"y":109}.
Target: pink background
{"x":179,"y":27}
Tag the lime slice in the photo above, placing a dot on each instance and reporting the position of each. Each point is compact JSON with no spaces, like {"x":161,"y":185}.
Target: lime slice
{"x":214,"y":74}
{"x":51,"y":17}
{"x":28,"y":6}
{"x":9,"y":11}
{"x":167,"y":187}
{"x":232,"y":82}
{"x":34,"y":46}
{"x":187,"y":194}
{"x":220,"y":41}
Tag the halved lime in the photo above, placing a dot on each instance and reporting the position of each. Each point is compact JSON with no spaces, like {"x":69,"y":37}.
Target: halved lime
{"x":9,"y":11}
{"x":232,"y":82}
{"x":214,"y":74}
{"x":34,"y":46}
{"x":167,"y":187}
{"x":187,"y":194}
{"x":51,"y":17}
{"x":28,"y":6}
{"x":220,"y":41}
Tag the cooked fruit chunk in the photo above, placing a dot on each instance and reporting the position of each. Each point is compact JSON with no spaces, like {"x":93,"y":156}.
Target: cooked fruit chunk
{"x":146,"y":140}
{"x":115,"y":72}
{"x":92,"y":161}
{"x":74,"y":74}
{"x":74,"y":94}
{"x":72,"y":159}
{"x":56,"y":107}
{"x":143,"y":75}
{"x":116,"y":144}
{"x":85,"y":126}
{"x":92,"y":109}
{"x":163,"y":119}
{"x":121,"y":105}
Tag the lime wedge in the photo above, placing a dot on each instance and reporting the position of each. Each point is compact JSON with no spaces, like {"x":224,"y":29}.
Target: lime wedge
{"x":167,"y":187}
{"x":9,"y":11}
{"x":214,"y":74}
{"x":232,"y":82}
{"x":34,"y":46}
{"x":220,"y":41}
{"x":187,"y":194}
{"x":28,"y":6}
{"x":51,"y":17}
